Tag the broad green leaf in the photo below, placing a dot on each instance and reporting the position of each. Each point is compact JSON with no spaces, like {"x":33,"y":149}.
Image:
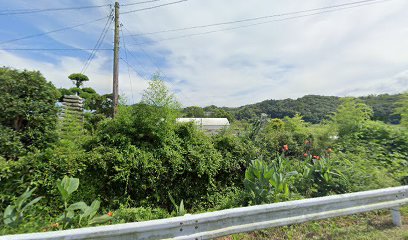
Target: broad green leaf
{"x":173,"y":202}
{"x":31,"y":203}
{"x":10,"y":215}
{"x":70,"y":214}
{"x":99,"y":219}
{"x":9,"y":211}
{"x":61,"y":189}
{"x":94,"y":208}
{"x":23,"y":197}
{"x":73,"y":184}
{"x":181,"y":208}
{"x":77,"y":206}
{"x":91,"y":210}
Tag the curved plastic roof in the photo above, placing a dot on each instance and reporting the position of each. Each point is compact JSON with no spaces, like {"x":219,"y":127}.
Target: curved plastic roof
{"x":206,"y":121}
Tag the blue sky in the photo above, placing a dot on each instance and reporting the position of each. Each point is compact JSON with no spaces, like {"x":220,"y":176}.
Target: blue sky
{"x":351,"y":52}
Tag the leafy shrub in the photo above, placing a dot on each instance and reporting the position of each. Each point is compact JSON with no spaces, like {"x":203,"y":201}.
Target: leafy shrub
{"x":11,"y":147}
{"x":139,"y":214}
{"x":268,"y":182}
{"x":27,"y":105}
{"x":142,"y":165}
{"x":87,"y":215}
{"x":321,"y":177}
{"x":179,"y":210}
{"x":237,"y":153}
{"x":351,"y":116}
{"x":14,"y":213}
{"x":361,"y":172}
{"x":384,"y":146}
{"x":291,"y":131}
{"x":229,"y":197}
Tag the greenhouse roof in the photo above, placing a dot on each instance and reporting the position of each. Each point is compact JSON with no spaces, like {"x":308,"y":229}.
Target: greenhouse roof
{"x":206,"y":121}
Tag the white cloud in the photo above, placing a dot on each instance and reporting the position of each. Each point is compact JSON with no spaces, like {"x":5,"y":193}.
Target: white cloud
{"x":100,"y":77}
{"x":350,"y":52}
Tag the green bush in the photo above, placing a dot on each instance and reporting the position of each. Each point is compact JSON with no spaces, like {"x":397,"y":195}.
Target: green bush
{"x":362,"y":173}
{"x":139,"y":214}
{"x":237,"y":152}
{"x":269,"y":182}
{"x":321,"y":177}
{"x":11,"y":147}
{"x":27,"y":105}
{"x":383,"y":146}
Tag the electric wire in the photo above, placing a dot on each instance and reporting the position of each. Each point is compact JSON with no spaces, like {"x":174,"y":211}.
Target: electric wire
{"x":53,"y":31}
{"x":53,"y":49}
{"x":98,"y":43}
{"x":145,"y":71}
{"x":255,"y":18}
{"x":256,"y":24}
{"x":153,"y":7}
{"x":158,"y":69}
{"x":129,"y":65}
{"x":138,"y":3}
{"x":145,"y":53}
{"x":128,"y":69}
{"x":30,"y":11}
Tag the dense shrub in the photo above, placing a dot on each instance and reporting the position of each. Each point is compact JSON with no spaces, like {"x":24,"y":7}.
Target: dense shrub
{"x":27,"y":105}
{"x":11,"y":147}
{"x":146,"y":167}
{"x":236,"y":153}
{"x":380,"y":145}
{"x":139,"y":214}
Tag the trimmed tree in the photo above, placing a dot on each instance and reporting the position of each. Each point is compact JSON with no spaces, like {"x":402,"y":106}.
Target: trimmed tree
{"x":78,"y":79}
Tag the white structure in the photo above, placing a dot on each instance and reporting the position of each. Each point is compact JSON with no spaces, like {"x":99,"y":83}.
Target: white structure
{"x":211,"y":125}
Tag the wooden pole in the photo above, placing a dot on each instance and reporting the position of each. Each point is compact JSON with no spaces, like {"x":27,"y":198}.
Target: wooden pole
{"x":116,"y":62}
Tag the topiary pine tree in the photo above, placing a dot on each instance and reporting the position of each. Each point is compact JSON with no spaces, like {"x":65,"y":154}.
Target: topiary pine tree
{"x":78,"y":79}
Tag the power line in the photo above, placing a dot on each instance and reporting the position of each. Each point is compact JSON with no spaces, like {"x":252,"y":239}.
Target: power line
{"x":145,"y":71}
{"x":144,"y":52}
{"x":129,"y":65}
{"x":126,"y":56}
{"x":256,"y":18}
{"x":259,"y":23}
{"x":53,"y":31}
{"x":137,"y":3}
{"x":29,"y":11}
{"x":98,"y":43}
{"x":153,"y":62}
{"x":54,"y":49}
{"x":157,"y":6}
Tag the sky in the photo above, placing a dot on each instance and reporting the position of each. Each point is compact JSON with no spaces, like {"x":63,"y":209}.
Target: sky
{"x":348,"y":52}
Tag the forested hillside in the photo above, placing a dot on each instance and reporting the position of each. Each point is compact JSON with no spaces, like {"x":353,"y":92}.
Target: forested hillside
{"x":313,"y":108}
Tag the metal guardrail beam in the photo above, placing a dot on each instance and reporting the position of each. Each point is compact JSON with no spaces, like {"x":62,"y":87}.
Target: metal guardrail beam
{"x":220,"y":223}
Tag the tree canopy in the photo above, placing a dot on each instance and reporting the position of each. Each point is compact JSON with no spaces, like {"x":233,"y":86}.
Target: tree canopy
{"x":157,"y":94}
{"x":78,"y":79}
{"x":27,"y":105}
{"x":402,"y":109}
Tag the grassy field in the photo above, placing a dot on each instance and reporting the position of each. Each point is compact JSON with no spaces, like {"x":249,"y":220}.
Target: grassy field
{"x":373,"y":225}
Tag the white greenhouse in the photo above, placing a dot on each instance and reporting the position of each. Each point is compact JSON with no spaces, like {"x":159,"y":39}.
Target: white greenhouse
{"x":210,"y":125}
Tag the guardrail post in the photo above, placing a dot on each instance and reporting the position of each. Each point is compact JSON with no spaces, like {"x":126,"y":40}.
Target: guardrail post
{"x":396,"y":217}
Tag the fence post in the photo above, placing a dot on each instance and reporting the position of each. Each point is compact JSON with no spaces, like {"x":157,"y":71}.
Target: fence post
{"x":396,"y":217}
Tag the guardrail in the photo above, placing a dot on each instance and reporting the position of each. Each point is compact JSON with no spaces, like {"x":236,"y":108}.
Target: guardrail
{"x":220,"y":223}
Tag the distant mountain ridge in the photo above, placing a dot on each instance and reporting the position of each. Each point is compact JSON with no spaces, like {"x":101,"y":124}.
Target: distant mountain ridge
{"x":313,"y":108}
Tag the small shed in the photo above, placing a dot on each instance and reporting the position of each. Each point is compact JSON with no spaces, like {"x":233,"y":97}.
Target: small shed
{"x":210,"y":125}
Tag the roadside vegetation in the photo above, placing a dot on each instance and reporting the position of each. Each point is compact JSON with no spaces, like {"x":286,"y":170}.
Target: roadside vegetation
{"x":61,"y":173}
{"x":374,"y":225}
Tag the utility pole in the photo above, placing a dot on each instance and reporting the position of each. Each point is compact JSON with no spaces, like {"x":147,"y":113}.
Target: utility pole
{"x":116,"y":62}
